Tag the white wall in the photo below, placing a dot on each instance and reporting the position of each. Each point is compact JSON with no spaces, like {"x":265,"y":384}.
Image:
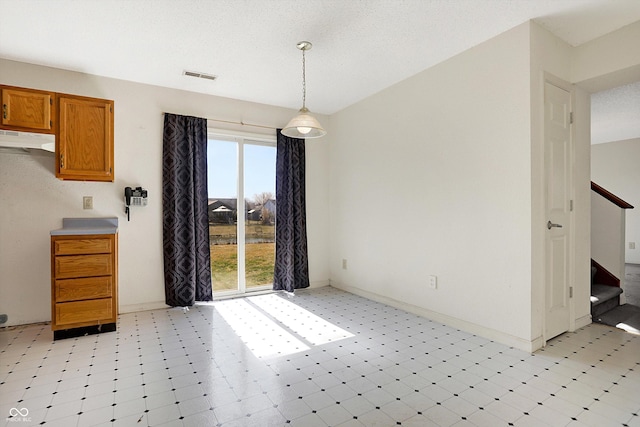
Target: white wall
{"x":608,"y":61}
{"x":616,"y":167}
{"x":443,"y":174}
{"x":432,"y":176}
{"x":607,"y":233}
{"x":33,"y":201}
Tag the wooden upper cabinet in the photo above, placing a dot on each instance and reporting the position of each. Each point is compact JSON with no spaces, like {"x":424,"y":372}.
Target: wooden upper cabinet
{"x":83,"y":127}
{"x":84,"y":149}
{"x":28,"y":110}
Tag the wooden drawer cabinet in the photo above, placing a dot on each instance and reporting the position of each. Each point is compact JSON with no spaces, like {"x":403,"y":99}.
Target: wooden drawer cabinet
{"x":84,"y":289}
{"x":71,"y":314}
{"x":83,"y":266}
{"x":28,"y":110}
{"x":82,"y":246}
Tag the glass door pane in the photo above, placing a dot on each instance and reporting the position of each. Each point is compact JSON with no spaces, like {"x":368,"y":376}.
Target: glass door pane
{"x":222,"y":158}
{"x":260,"y":217}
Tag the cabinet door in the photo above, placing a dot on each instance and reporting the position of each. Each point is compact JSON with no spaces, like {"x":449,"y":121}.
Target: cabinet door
{"x":85,"y":139}
{"x":27,"y":109}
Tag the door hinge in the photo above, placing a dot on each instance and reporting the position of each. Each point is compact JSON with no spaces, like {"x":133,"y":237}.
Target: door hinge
{"x":110,"y":109}
{"x":570,"y":291}
{"x":571,"y":118}
{"x":570,"y":205}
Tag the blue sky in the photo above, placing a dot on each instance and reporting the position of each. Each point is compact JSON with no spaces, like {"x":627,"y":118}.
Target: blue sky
{"x":259,"y":169}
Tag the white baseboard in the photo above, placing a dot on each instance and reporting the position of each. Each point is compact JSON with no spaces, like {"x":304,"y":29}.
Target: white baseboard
{"x":583,"y":321}
{"x":491,"y":334}
{"x":154,"y":305}
{"x":537,"y":344}
{"x":319,"y":284}
{"x":132,"y":308}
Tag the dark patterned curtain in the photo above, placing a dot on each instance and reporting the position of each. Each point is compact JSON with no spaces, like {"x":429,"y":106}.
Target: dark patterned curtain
{"x":292,"y":266}
{"x":187,"y":265}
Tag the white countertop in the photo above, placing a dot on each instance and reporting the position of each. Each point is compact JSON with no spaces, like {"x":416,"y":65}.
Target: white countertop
{"x":78,"y":226}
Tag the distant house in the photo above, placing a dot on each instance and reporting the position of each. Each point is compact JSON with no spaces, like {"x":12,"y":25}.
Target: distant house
{"x":270,"y":205}
{"x":225,"y":211}
{"x":222,"y":211}
{"x":254,"y":214}
{"x":265,"y":213}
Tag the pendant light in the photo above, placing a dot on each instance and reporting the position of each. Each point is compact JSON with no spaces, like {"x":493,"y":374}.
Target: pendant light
{"x":304,"y":125}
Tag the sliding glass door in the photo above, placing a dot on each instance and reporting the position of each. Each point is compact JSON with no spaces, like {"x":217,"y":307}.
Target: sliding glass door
{"x":242,"y":213}
{"x":260,"y":221}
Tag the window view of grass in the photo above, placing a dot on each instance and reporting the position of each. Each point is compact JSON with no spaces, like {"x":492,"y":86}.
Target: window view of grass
{"x":259,"y":265}
{"x":259,"y":256}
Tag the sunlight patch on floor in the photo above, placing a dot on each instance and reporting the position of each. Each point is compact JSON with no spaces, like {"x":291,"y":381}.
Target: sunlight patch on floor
{"x":264,"y":337}
{"x":314,"y":329}
{"x":628,"y":328}
{"x":271,"y":326}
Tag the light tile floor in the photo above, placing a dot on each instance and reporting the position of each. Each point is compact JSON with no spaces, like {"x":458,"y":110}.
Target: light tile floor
{"x":321,"y":358}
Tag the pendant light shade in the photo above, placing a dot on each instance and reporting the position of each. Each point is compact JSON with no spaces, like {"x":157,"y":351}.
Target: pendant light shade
{"x":304,"y":125}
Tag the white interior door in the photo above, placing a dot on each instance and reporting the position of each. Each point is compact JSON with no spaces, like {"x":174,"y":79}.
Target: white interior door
{"x":557,"y":134}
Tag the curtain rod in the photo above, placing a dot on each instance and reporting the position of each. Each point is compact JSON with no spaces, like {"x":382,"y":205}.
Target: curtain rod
{"x":242,"y":123}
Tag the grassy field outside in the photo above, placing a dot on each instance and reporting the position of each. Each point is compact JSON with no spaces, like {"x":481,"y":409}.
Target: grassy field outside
{"x":259,"y":259}
{"x":252,"y":229}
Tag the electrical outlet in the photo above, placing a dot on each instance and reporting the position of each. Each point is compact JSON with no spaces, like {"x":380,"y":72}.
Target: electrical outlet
{"x":344,"y":264}
{"x":433,"y":282}
{"x":632,"y":245}
{"x":87,"y":202}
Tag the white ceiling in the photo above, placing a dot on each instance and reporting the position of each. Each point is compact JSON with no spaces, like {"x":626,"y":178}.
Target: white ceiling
{"x":360,"y":46}
{"x":615,"y":114}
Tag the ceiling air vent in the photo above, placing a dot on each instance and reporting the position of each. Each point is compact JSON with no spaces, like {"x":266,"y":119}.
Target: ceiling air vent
{"x":199,"y":75}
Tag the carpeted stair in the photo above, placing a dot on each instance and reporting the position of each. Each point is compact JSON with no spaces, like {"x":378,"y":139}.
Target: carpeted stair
{"x":606,"y":308}
{"x":603,"y":299}
{"x":625,"y":317}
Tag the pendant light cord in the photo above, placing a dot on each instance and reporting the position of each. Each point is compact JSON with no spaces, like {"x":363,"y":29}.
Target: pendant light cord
{"x":304,"y":82}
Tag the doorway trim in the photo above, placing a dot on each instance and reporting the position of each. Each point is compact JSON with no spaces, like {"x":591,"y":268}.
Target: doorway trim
{"x":242,"y":139}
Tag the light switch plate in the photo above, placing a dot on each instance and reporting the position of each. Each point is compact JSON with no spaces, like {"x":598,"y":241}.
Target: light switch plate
{"x":87,"y":202}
